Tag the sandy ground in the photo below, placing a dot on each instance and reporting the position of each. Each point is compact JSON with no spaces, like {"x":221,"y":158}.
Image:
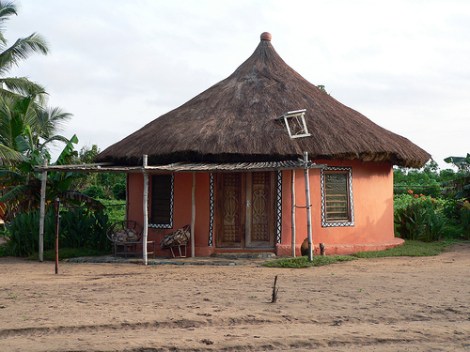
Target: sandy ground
{"x":391,"y":304}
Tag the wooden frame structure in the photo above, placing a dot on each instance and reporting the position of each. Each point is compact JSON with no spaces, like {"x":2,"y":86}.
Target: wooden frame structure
{"x":145,"y":169}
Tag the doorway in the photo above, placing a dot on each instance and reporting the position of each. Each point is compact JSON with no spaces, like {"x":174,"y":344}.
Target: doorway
{"x":245,"y":210}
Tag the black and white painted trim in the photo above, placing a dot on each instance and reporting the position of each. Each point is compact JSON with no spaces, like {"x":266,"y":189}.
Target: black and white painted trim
{"x":211,"y":210}
{"x":170,"y":224}
{"x":278,"y":206}
{"x":325,"y":223}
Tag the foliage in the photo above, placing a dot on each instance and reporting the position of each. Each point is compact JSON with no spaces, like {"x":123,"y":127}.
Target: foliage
{"x":418,"y":217}
{"x":94,"y":191}
{"x":16,"y":91}
{"x":11,"y":56}
{"x":432,"y":203}
{"x":79,"y":228}
{"x":103,"y":185}
{"x":409,"y":249}
{"x":22,"y":185}
{"x":302,"y":262}
{"x":461,"y":162}
{"x":464,"y":219}
{"x":119,"y":191}
{"x":115,"y":209}
{"x":461,"y":183}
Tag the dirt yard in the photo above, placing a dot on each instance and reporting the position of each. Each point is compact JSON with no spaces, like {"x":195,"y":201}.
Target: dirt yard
{"x":392,"y":304}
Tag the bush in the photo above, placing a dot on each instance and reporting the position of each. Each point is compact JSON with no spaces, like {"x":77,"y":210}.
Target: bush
{"x":418,"y":217}
{"x":119,"y":191}
{"x":464,"y":219}
{"x":116,"y":209}
{"x":95,"y":192}
{"x":79,"y":228}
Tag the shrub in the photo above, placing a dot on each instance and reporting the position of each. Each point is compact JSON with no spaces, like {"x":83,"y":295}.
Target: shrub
{"x":418,"y":217}
{"x":95,"y":191}
{"x":116,"y":209}
{"x":464,"y":219}
{"x":119,"y":191}
{"x":79,"y":228}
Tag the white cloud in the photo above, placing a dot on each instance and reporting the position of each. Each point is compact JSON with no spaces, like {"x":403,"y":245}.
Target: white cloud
{"x":116,"y":65}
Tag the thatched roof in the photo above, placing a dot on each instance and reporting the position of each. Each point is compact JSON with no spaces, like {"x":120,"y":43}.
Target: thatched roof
{"x":236,"y":121}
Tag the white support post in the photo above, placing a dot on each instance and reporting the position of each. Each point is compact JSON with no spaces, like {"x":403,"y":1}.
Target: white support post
{"x":309,"y":208}
{"x":146,"y":211}
{"x":193,"y":216}
{"x":293,"y":211}
{"x":42,"y":212}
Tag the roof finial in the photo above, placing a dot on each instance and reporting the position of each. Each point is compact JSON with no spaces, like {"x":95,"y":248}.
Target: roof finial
{"x":266,"y":36}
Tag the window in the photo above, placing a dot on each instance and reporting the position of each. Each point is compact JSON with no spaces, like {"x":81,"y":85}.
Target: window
{"x":337,"y":200}
{"x":161,"y":216}
{"x":295,"y":123}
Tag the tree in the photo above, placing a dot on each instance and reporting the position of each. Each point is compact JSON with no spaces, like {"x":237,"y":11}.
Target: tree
{"x":26,"y":129}
{"x":27,"y":125}
{"x":461,"y":183}
{"x":11,"y":56}
{"x":461,"y":162}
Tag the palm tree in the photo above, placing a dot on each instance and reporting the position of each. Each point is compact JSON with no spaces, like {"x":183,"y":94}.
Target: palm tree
{"x":26,"y":129}
{"x":13,"y":88}
{"x":11,"y":56}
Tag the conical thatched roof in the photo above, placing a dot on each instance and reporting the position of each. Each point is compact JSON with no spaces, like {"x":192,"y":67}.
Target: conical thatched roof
{"x":236,"y":120}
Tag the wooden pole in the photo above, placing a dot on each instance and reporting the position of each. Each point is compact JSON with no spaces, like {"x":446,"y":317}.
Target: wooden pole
{"x":146,"y":211}
{"x":42,"y":212}
{"x":193,"y":216}
{"x":57,"y":224}
{"x":293,"y":211}
{"x":275,"y":291}
{"x":309,"y":208}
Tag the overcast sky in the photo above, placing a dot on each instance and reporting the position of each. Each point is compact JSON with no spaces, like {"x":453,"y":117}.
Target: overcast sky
{"x":116,"y":65}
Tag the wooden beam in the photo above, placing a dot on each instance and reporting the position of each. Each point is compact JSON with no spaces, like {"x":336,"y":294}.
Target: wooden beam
{"x":193,"y":216}
{"x":293,"y":211}
{"x":308,"y":207}
{"x":146,"y":211}
{"x":42,"y":212}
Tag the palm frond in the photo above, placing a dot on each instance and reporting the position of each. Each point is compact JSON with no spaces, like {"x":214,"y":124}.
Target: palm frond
{"x":7,"y":8}
{"x":78,"y":197}
{"x":21,"y":49}
{"x":8,"y":155}
{"x":50,"y":121}
{"x":3,"y":40}
{"x":18,"y":87}
{"x":56,"y":138}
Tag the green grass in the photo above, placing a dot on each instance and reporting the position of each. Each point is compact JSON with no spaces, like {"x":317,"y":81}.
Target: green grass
{"x":409,"y":249}
{"x":302,"y":262}
{"x":65,"y":253}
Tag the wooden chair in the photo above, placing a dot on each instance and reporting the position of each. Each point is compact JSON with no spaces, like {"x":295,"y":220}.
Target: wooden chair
{"x":177,"y":239}
{"x":126,"y":237}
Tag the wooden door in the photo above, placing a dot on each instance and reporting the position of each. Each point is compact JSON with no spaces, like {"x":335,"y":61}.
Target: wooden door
{"x":245,"y":210}
{"x":260,"y":209}
{"x":229,"y":208}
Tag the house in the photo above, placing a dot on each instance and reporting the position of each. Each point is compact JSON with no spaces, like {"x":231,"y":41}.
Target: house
{"x":227,"y":161}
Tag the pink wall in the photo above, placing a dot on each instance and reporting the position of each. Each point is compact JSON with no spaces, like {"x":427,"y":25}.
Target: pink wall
{"x":373,"y":210}
{"x":182,"y":208}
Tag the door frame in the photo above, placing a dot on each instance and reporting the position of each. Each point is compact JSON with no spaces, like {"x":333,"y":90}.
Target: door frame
{"x":245,"y":212}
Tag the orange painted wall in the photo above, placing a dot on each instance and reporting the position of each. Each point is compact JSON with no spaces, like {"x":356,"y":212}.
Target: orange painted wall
{"x":181,"y":208}
{"x":373,"y":208}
